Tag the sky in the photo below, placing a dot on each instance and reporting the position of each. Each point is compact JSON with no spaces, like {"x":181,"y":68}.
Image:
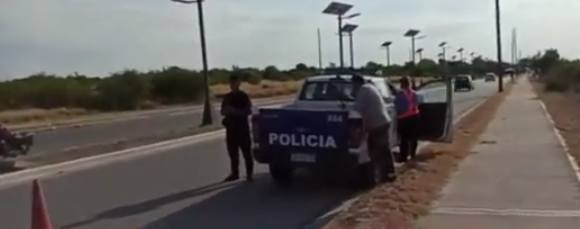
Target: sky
{"x":98,"y":37}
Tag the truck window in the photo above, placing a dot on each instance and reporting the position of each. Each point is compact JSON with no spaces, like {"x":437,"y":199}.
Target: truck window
{"x":327,"y":91}
{"x":382,"y":87}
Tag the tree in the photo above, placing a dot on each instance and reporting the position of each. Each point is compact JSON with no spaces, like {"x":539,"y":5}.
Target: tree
{"x":301,"y":67}
{"x":427,"y":67}
{"x":272,"y":73}
{"x":547,"y":61}
{"x":372,"y":67}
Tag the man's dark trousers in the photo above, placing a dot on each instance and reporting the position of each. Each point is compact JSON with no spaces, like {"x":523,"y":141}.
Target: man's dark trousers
{"x":238,"y":137}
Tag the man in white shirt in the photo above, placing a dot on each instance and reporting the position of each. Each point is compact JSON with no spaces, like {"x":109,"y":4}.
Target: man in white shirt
{"x":371,"y":106}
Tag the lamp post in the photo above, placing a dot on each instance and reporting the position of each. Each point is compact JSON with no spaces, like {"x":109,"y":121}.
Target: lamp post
{"x":498,"y":37}
{"x":339,"y":9}
{"x":207,"y":119}
{"x":420,"y":52}
{"x":443,"y":46}
{"x":412,"y":33}
{"x":460,"y":51}
{"x":349,"y":29}
{"x":387,"y":45}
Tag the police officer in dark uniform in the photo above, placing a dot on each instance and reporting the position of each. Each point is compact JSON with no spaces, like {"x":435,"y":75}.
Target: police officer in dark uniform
{"x":236,"y":107}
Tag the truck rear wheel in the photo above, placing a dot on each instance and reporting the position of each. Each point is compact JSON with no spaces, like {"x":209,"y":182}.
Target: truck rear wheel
{"x":281,"y":173}
{"x":366,"y":176}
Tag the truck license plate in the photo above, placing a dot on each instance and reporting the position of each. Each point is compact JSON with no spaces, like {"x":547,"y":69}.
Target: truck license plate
{"x":300,"y":157}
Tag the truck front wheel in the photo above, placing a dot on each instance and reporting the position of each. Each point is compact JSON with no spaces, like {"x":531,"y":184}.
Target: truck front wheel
{"x":281,"y":173}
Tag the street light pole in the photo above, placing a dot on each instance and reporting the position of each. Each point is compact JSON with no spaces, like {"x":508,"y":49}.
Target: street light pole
{"x":351,"y":50}
{"x":339,"y":9}
{"x":341,"y":46}
{"x":413,"y":49}
{"x":319,"y":51}
{"x":387,"y":45}
{"x":207,"y":119}
{"x":443,"y":46}
{"x":498,"y":37}
{"x":349,"y":29}
{"x":420,"y":52}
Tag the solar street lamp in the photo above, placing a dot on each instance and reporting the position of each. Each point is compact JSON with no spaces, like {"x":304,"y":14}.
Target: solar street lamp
{"x":420,"y":52}
{"x":460,"y":51}
{"x":348,"y":29}
{"x":206,"y":120}
{"x":443,"y":46}
{"x":387,"y":45}
{"x":339,"y":9}
{"x":412,"y":33}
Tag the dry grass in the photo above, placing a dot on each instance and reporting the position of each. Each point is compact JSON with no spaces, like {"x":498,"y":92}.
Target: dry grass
{"x":30,"y":115}
{"x":398,"y":204}
{"x":565,"y":110}
{"x":264,"y":89}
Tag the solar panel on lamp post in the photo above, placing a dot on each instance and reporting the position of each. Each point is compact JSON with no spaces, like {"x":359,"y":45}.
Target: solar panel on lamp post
{"x":412,"y":33}
{"x":420,"y":52}
{"x":387,"y":45}
{"x":349,"y":29}
{"x":461,"y":50}
{"x":339,"y":9}
{"x":443,"y":46}
{"x":207,"y":119}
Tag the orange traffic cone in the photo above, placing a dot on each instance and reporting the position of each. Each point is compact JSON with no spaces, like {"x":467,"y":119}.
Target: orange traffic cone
{"x":40,"y":218}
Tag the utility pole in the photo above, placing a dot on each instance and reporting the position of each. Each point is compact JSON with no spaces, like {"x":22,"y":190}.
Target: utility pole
{"x":498,"y":36}
{"x":207,"y":119}
{"x":319,"y":51}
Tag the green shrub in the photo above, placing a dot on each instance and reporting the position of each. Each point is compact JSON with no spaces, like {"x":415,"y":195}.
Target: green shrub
{"x":122,"y":91}
{"x":562,"y":76}
{"x":176,"y":85}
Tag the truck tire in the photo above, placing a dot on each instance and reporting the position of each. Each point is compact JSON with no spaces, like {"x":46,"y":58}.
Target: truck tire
{"x":282,"y":174}
{"x":366,"y":176}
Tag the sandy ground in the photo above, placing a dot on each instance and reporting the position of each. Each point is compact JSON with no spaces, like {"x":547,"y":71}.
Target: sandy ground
{"x":397,"y":205}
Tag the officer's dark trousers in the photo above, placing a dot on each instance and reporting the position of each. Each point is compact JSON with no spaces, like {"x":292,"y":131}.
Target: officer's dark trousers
{"x":409,"y":133}
{"x":238,"y":137}
{"x":380,"y":152}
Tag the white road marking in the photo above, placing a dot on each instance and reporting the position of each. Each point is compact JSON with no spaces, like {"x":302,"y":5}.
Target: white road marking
{"x":562,"y":141}
{"x":506,"y":212}
{"x":16,"y":178}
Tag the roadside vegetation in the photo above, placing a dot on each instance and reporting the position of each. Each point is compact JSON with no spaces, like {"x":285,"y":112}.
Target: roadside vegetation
{"x":558,"y":86}
{"x":46,"y":96}
{"x":557,"y":74}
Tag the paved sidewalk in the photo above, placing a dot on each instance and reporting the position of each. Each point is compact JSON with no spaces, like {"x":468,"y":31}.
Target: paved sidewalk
{"x":519,"y":177}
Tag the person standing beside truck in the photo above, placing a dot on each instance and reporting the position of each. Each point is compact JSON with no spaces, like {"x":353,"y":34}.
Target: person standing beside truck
{"x":407,"y":105}
{"x":371,"y":106}
{"x":236,"y":107}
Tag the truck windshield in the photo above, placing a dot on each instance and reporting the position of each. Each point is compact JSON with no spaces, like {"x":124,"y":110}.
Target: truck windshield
{"x":327,"y":91}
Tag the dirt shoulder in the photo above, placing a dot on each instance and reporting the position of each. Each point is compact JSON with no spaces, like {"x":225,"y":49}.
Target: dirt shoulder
{"x":564,"y":107}
{"x":397,"y":205}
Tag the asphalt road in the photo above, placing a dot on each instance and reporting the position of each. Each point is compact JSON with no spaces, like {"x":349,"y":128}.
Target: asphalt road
{"x":180,"y":188}
{"x":137,"y":126}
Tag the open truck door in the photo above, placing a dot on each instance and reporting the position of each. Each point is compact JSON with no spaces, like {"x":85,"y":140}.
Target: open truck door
{"x":436,"y":107}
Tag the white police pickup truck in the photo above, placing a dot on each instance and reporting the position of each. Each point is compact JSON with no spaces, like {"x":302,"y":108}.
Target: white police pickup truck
{"x":320,"y":129}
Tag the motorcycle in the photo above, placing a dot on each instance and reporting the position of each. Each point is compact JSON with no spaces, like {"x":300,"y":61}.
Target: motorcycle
{"x":20,"y":144}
